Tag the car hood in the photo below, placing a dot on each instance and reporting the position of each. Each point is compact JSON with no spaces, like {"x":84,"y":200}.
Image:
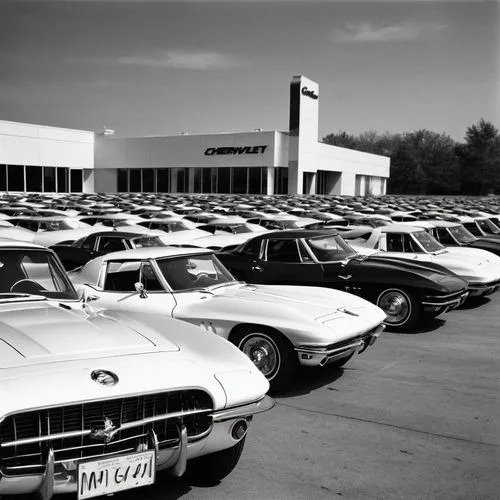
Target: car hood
{"x":317,"y":301}
{"x":41,"y":332}
{"x":469,"y":266}
{"x":301,"y":312}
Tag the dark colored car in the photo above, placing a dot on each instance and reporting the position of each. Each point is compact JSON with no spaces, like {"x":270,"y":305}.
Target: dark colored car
{"x":93,"y":245}
{"x":452,"y":234}
{"x":407,"y":291}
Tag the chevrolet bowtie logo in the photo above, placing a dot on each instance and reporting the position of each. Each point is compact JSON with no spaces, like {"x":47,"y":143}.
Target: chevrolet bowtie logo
{"x":104,"y":434}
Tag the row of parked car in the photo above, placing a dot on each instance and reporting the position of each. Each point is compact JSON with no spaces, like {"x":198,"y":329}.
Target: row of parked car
{"x":142,"y":332}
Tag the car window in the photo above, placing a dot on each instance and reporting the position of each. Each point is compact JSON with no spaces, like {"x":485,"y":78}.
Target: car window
{"x":427,"y":241}
{"x":252,"y":248}
{"x":471,"y":226}
{"x":409,"y":245}
{"x":110,"y":244}
{"x":394,"y":242}
{"x":444,"y":236}
{"x":282,"y":251}
{"x":122,"y":276}
{"x":33,"y":272}
{"x":149,"y":278}
{"x":329,"y":248}
{"x":193,"y":271}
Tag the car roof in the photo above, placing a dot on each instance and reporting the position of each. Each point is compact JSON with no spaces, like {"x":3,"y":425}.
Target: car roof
{"x":399,"y":228}
{"x":154,"y":253}
{"x":121,"y":234}
{"x":290,"y":234}
{"x":7,"y":242}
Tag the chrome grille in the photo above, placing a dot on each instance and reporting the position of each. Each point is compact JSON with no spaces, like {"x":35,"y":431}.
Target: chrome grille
{"x":61,"y":422}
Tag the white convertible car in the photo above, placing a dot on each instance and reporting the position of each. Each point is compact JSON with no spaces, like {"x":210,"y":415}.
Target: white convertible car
{"x":278,"y":327}
{"x":480,"y":268}
{"x":97,"y":402}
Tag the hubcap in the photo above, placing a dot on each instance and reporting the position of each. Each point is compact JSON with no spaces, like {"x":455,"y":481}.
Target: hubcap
{"x":263,"y":354}
{"x":396,"y":306}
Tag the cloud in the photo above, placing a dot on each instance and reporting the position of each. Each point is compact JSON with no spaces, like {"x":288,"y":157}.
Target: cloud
{"x":197,"y":60}
{"x":367,"y":32}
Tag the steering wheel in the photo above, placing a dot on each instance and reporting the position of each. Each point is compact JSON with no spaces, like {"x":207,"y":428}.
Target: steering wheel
{"x":201,"y":276}
{"x":32,"y":286}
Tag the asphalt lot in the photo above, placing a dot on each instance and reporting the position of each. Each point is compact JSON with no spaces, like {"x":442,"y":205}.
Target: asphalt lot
{"x":416,"y":416}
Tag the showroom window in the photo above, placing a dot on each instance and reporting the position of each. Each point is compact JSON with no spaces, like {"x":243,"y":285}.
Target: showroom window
{"x":206,"y":183}
{"x":76,"y":180}
{"x":135,"y":180}
{"x":182,"y":180}
{"x":239,"y":181}
{"x":49,"y":179}
{"x":148,"y":180}
{"x":15,"y":177}
{"x":34,"y":178}
{"x":3,"y":177}
{"x":122,"y":180}
{"x":62,"y":179}
{"x":163,"y":180}
{"x":257,"y":180}
{"x":197,"y":180}
{"x":281,"y":180}
{"x":224,"y":180}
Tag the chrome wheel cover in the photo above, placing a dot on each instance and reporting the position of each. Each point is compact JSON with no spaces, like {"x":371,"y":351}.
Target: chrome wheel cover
{"x":263,"y":352}
{"x":396,"y":304}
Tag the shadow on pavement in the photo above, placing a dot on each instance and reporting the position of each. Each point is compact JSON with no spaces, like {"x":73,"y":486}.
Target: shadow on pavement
{"x":309,"y":379}
{"x":473,"y":303}
{"x":429,"y":326}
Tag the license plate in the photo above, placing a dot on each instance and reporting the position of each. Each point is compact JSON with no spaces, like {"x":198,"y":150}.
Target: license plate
{"x":110,"y":475}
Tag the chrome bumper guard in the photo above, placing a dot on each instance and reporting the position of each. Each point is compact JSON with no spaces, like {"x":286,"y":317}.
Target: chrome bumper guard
{"x":310,"y":355}
{"x":446,"y":305}
{"x":58,"y":478}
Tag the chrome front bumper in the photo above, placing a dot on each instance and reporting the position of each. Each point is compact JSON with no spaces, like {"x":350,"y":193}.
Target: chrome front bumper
{"x":312,"y":355}
{"x":482,"y":289}
{"x":61,"y":477}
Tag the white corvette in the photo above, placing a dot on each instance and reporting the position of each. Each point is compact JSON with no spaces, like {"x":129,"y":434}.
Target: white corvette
{"x":278,"y":327}
{"x":480,"y":268}
{"x":97,"y":402}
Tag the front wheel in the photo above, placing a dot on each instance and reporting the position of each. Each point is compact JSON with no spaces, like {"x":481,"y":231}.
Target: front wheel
{"x":270,"y":352}
{"x":401,"y":308}
{"x":216,"y":466}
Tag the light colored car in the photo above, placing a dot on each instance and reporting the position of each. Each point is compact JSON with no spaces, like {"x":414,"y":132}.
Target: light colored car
{"x":99,"y":401}
{"x":278,"y":327}
{"x":403,"y":241}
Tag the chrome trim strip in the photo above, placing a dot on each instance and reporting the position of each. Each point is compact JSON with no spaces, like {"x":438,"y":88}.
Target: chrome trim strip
{"x":128,"y":425}
{"x":264,"y":404}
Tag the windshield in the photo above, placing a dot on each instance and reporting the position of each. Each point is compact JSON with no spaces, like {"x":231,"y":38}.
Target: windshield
{"x":148,"y":241}
{"x":58,"y":225}
{"x":194,"y":272}
{"x":173,"y":226}
{"x":461,"y":234}
{"x":487,"y":226}
{"x":34,"y":272}
{"x":329,"y":248}
{"x":428,"y":242}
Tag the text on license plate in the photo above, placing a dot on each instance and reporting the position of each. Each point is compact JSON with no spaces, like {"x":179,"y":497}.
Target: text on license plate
{"x":109,"y":475}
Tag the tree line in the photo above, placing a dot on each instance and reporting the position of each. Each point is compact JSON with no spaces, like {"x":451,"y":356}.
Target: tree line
{"x":425,"y":162}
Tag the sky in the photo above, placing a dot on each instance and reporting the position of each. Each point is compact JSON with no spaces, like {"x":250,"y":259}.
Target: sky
{"x":165,"y":67}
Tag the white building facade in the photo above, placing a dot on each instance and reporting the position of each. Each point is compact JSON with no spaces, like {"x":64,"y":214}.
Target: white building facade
{"x":259,"y":162}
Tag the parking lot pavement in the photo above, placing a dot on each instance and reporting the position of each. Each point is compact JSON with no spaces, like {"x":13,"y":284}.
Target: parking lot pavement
{"x":414,"y":417}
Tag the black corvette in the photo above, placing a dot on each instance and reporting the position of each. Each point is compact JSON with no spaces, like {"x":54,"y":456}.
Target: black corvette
{"x":99,"y":243}
{"x":408,"y":291}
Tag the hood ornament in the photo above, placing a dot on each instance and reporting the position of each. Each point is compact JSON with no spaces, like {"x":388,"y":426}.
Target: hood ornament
{"x":105,"y":433}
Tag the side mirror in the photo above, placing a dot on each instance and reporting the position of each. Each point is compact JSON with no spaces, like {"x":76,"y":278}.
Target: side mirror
{"x":142,"y":291}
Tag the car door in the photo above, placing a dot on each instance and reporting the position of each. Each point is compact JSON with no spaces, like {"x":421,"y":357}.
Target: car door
{"x":117,"y":289}
{"x":285,"y":261}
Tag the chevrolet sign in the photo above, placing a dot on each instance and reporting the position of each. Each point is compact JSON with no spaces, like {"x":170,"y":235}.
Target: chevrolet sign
{"x":238,"y":150}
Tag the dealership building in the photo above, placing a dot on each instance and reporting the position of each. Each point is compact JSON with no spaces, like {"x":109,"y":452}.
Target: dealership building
{"x":37,"y":158}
